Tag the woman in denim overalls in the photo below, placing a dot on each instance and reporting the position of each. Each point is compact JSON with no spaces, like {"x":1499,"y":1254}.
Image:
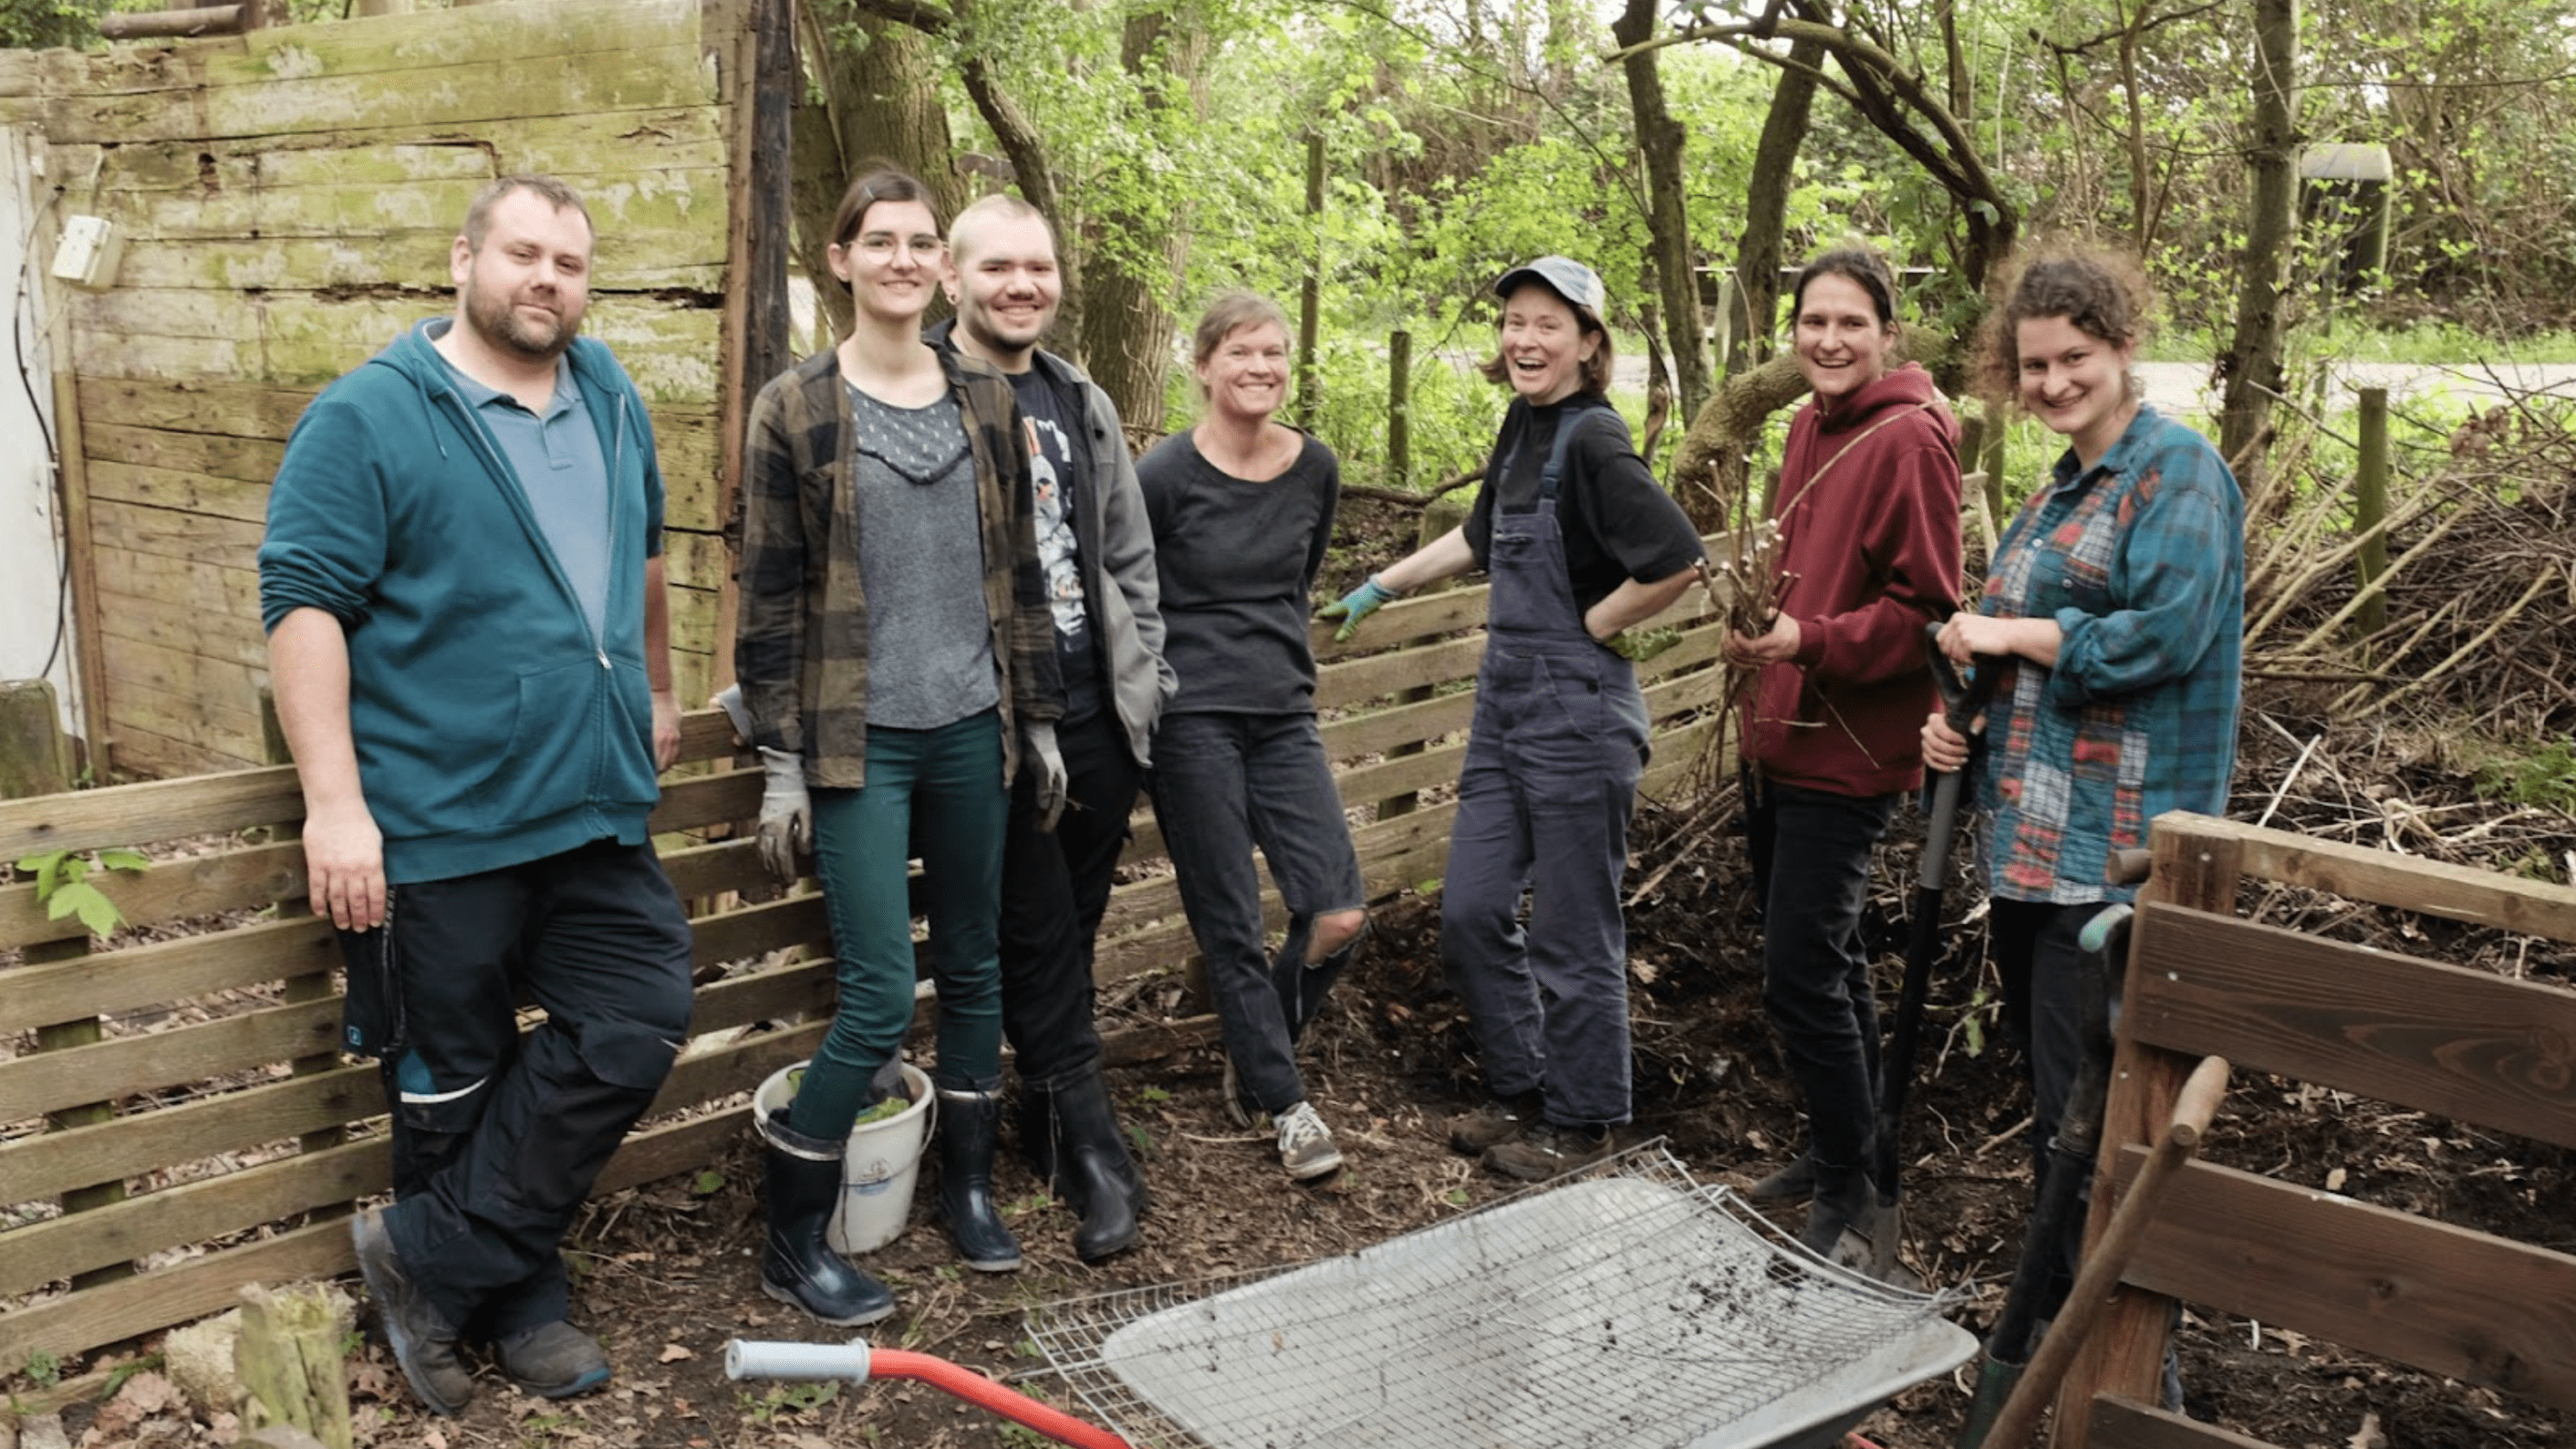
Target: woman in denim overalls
{"x":1581,"y":543}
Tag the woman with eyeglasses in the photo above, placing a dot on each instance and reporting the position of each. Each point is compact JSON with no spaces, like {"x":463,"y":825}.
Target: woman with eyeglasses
{"x":892,"y":692}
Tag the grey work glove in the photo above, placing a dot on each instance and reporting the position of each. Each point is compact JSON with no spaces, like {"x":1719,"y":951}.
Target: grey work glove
{"x":1048,"y":761}
{"x":786,"y":815}
{"x":730,"y":701}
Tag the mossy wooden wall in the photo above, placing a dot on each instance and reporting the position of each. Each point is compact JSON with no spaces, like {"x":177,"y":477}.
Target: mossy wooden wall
{"x":289,"y":197}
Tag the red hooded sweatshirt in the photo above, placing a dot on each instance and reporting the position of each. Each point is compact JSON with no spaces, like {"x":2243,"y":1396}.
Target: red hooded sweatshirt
{"x":1868,"y":508}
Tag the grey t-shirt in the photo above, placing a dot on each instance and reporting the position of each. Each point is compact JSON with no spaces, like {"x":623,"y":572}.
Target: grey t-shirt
{"x":921,"y":561}
{"x":563,"y":472}
{"x":1237,"y":560}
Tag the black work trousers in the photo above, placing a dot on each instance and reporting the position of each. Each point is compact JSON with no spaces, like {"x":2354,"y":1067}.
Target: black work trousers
{"x":1812,"y":864}
{"x":497,"y":1137}
{"x":1055,"y":888}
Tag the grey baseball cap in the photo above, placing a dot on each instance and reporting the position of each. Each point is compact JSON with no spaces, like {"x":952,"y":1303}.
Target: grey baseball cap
{"x":1578,"y":284}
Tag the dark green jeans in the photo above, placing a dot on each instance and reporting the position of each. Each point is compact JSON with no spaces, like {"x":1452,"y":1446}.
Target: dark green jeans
{"x":937,"y":794}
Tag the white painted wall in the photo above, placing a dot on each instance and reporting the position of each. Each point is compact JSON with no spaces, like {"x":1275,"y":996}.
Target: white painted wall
{"x":31,"y":558}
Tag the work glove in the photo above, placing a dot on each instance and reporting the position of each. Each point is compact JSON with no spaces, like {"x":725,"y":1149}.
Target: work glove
{"x":730,"y":701}
{"x":1048,"y":761}
{"x":786,"y":814}
{"x":1356,"y":605}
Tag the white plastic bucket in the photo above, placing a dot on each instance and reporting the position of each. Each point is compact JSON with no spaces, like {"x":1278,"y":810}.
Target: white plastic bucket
{"x":878,"y":1167}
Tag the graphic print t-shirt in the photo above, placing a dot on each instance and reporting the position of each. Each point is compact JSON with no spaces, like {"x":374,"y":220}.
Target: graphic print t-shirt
{"x":1051,"y":452}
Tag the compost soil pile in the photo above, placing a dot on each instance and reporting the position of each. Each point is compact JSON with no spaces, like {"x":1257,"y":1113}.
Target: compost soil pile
{"x":667,"y":1273}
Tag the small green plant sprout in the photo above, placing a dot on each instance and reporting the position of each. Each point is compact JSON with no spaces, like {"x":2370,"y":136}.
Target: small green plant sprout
{"x":44,"y":1368}
{"x":64,"y":889}
{"x":1152,"y":1096}
{"x":707,"y":1183}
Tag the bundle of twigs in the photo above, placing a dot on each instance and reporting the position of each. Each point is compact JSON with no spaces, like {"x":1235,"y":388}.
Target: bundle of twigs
{"x":2480,"y":584}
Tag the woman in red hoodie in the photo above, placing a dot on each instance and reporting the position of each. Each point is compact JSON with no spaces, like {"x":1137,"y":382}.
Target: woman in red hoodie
{"x":1868,"y":511}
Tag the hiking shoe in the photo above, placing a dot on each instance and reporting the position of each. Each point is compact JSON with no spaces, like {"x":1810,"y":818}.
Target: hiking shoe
{"x":1241,"y":1110}
{"x":553,"y":1360}
{"x":1547,"y":1149}
{"x":1793,"y":1182}
{"x":422,"y":1342}
{"x":1305,"y":1144}
{"x":1499,"y":1121}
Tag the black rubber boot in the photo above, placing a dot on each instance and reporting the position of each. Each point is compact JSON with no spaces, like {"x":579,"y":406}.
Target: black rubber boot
{"x":1089,"y":1165}
{"x":970,"y":1122}
{"x":799,"y":1265}
{"x":1844,"y":1202}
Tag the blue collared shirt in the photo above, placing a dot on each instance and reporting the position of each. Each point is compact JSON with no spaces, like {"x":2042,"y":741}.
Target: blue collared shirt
{"x":564,"y":472}
{"x":2141,"y":560}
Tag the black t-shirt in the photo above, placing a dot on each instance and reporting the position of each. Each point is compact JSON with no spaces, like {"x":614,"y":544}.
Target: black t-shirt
{"x":1053,"y":449}
{"x":1237,"y":559}
{"x":1617,"y":522}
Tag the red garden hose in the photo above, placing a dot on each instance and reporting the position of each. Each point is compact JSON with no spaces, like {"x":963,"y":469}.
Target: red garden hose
{"x":857,"y":1363}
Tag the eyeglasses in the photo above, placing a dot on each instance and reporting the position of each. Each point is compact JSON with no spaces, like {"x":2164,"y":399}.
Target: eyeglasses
{"x":881,"y":246}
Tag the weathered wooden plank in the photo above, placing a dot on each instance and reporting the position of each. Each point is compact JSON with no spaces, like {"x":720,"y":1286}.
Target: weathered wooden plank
{"x":161,"y":973}
{"x":203,"y":455}
{"x":148,"y":814}
{"x":512,"y":35}
{"x":132,"y":1146}
{"x":2463,"y":1044}
{"x":756,"y":930}
{"x":176,"y":533}
{"x":195,"y":1289}
{"x":232,"y":637}
{"x":2120,"y":1423}
{"x":707,"y":800}
{"x":195,"y":405}
{"x":193,"y":885}
{"x":221,"y":724}
{"x":142,"y":755}
{"x":190,"y":676}
{"x":105,"y":1070}
{"x":1351,"y":681}
{"x":633,"y":78}
{"x":183,"y":492}
{"x":2410,"y":883}
{"x":604,"y":143}
{"x":695,"y":560}
{"x":2459,"y":1303}
{"x":215,"y":588}
{"x":648,"y":219}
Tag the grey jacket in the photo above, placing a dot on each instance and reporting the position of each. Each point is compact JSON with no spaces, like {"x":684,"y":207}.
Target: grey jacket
{"x":1121,"y":591}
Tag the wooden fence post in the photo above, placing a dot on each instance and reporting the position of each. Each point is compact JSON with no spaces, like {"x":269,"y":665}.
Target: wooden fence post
{"x":34,"y":759}
{"x":2370,"y":511}
{"x":1310,"y":296}
{"x":1399,"y":407}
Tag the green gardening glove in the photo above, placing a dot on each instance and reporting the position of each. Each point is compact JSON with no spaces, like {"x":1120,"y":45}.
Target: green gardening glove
{"x":1356,"y":605}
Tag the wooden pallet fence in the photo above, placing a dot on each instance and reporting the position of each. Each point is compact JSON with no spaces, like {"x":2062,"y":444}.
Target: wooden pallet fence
{"x":236,"y":1161}
{"x":2469,"y":1046}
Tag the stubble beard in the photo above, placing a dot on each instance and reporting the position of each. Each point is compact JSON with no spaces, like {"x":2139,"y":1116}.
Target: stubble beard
{"x":497,"y":321}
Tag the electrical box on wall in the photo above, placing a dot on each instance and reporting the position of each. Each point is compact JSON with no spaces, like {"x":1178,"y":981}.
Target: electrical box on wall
{"x":90,"y":250}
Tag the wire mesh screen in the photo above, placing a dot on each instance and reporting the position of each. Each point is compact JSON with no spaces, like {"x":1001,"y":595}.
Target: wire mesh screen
{"x":1631,"y":1307}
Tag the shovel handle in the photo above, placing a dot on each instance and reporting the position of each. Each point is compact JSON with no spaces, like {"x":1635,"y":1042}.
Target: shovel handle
{"x":1962,"y":700}
{"x":2193,"y":1107}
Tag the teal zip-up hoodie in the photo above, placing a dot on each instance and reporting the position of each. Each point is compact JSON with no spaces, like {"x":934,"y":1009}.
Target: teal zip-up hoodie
{"x":492,"y":726}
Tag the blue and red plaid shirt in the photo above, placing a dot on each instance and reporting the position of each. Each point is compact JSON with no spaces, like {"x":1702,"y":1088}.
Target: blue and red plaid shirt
{"x":2141,"y":560}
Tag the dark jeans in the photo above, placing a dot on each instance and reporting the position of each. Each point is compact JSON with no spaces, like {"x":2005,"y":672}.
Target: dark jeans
{"x":2046,"y":976}
{"x":496,"y":1138}
{"x":937,"y":793}
{"x":1055,"y":888}
{"x":1222,"y":784}
{"x":1814,"y":852}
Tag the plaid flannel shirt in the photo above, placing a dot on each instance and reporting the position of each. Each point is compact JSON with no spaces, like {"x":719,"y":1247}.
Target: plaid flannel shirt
{"x":2141,"y":560}
{"x":801,"y":644}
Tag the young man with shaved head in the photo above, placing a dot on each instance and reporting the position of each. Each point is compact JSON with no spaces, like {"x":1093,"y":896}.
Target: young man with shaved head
{"x":1098,"y":555}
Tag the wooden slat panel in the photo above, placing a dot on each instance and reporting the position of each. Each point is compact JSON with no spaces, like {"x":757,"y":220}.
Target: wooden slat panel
{"x":110,"y":1069}
{"x":140,"y":754}
{"x":112,"y":437}
{"x":132,"y":1146}
{"x":195,"y":1289}
{"x":165,"y":972}
{"x":2442,"y":1298}
{"x":707,"y":800}
{"x":2121,"y":1424}
{"x":149,"y":813}
{"x":189,"y":886}
{"x":2437,"y":888}
{"x":230,"y":638}
{"x":2465,"y":1044}
{"x":1354,"y":680}
{"x":198,"y":405}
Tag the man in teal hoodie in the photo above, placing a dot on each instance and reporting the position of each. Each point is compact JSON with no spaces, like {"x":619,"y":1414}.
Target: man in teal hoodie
{"x":462,"y":585}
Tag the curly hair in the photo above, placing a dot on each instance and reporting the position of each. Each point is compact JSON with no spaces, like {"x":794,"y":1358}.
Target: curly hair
{"x":2105,"y":294}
